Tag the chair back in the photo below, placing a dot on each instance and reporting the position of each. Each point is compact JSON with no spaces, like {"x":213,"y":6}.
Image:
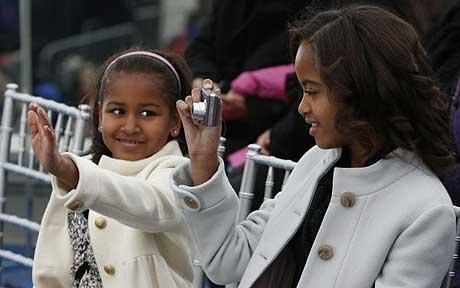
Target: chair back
{"x":253,"y":161}
{"x":16,"y":154}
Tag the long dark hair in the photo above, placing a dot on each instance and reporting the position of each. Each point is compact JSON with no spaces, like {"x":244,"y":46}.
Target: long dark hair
{"x":372,"y":61}
{"x":138,"y":63}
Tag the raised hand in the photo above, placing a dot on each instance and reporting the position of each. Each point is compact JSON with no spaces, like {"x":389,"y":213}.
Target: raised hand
{"x":43,"y":140}
{"x":46,"y":148}
{"x":202,"y":141}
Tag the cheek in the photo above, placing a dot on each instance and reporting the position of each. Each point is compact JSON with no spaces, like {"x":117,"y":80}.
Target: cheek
{"x":107,"y":126}
{"x":103,"y":119}
{"x":329,"y":112}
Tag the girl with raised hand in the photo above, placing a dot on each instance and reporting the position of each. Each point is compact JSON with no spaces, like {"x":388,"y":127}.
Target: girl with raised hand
{"x":113,"y":222}
{"x":365,"y":206}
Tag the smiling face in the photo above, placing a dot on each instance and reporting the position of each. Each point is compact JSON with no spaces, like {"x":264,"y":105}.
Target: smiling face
{"x":317,"y":107}
{"x":135,"y":118}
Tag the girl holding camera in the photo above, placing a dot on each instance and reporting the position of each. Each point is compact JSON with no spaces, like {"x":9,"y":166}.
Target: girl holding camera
{"x":365,"y":206}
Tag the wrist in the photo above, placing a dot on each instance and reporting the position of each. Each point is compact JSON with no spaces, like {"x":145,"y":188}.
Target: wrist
{"x":203,"y":168}
{"x":69,"y":176}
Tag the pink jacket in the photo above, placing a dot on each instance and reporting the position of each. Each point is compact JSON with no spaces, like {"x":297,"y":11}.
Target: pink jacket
{"x":264,"y":83}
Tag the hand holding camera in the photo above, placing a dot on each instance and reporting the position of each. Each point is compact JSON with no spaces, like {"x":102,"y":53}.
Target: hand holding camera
{"x":201,"y":118}
{"x":207,"y":112}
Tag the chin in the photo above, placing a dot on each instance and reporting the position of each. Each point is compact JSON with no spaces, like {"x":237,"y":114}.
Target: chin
{"x":325,"y":145}
{"x":129,"y":157}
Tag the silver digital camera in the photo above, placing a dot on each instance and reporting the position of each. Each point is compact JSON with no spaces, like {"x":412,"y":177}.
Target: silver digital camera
{"x":207,"y":111}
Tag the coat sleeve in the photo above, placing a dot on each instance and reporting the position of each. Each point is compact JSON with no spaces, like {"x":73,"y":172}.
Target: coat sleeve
{"x":421,"y":255}
{"x":224,"y":246}
{"x":146,"y":203}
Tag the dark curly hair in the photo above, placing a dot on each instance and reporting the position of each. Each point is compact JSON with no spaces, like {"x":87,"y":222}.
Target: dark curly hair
{"x":372,"y":61}
{"x":140,"y":64}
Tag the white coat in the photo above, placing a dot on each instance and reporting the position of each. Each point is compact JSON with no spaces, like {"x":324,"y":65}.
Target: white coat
{"x":137,"y":241}
{"x":390,"y":224}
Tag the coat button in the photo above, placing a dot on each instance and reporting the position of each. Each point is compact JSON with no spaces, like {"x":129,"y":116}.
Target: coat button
{"x":100,"y":222}
{"x":74,"y":206}
{"x":347,"y":199}
{"x":191,"y":203}
{"x":325,"y":252}
{"x":109,"y":269}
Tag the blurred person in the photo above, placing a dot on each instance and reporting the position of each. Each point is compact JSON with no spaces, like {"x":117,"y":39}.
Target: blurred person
{"x":236,"y":37}
{"x":76,"y":81}
{"x":444,"y":49}
{"x":112,"y":220}
{"x":365,"y":207}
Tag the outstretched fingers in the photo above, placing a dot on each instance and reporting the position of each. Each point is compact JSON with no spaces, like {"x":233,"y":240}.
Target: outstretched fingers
{"x":39,"y":123}
{"x":43,"y":117}
{"x":32,"y":122}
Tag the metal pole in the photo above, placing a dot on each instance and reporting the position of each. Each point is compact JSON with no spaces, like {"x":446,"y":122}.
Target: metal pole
{"x":79,"y":139}
{"x":25,"y":45}
{"x":247,"y":182}
{"x":5,"y":130}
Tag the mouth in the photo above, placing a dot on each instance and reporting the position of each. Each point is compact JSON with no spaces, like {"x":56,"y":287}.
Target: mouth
{"x":130,"y":141}
{"x":311,"y":123}
{"x":313,"y":130}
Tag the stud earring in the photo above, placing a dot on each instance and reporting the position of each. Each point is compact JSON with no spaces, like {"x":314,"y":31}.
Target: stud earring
{"x":100,"y":129}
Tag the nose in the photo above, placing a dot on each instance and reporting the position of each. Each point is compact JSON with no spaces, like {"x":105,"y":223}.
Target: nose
{"x":304,"y":106}
{"x":130,"y":125}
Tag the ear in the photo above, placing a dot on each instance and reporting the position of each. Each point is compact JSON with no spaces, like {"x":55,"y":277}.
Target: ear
{"x":175,"y":124}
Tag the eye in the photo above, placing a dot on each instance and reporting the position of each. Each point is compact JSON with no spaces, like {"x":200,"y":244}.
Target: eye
{"x":147,"y":113}
{"x":117,"y":111}
{"x":309,"y":92}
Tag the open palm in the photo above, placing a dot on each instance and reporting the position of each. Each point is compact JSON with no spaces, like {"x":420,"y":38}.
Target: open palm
{"x":42,"y":139}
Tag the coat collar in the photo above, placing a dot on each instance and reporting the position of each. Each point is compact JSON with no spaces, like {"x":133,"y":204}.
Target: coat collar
{"x":373,"y":178}
{"x":125,"y":167}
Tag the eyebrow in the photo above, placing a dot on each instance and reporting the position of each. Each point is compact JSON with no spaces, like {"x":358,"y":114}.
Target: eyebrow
{"x":308,"y":81}
{"x":141,"y":104}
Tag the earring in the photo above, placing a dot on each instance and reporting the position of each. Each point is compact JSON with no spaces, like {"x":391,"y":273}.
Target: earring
{"x":174,"y":133}
{"x":100,"y":129}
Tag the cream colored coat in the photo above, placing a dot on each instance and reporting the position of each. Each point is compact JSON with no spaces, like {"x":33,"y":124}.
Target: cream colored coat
{"x":141,"y":237}
{"x":398,"y":230}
